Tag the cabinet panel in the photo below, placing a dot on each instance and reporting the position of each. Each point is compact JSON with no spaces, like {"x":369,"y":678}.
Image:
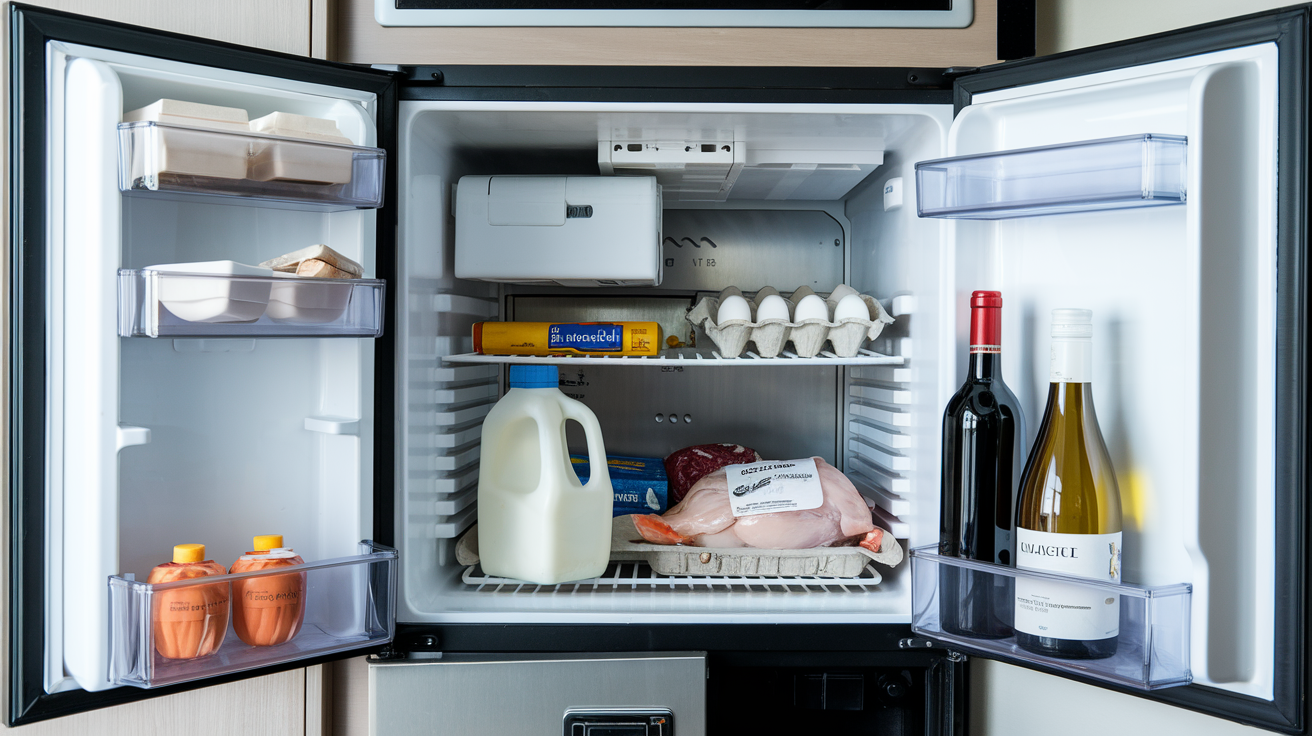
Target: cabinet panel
{"x":273,"y":705}
{"x":273,"y":25}
{"x":360,"y":39}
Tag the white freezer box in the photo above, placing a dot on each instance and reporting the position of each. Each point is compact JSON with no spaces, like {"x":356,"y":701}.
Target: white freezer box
{"x":571,"y":230}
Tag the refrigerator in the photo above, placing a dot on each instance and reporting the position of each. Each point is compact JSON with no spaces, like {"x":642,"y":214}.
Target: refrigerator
{"x":357,"y":436}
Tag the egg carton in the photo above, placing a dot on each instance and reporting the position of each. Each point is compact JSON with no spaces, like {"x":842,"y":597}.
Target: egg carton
{"x":808,"y":335}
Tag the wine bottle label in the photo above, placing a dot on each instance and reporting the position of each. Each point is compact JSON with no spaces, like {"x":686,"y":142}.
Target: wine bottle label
{"x":1061,"y":611}
{"x":774,"y":485}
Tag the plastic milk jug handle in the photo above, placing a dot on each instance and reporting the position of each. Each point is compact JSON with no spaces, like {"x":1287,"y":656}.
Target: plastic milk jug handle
{"x":576,"y":410}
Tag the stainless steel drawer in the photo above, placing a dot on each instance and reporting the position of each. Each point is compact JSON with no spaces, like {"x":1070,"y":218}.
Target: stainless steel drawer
{"x":527,"y":695}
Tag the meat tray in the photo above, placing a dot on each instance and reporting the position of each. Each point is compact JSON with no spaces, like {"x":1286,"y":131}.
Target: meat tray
{"x":626,"y":546}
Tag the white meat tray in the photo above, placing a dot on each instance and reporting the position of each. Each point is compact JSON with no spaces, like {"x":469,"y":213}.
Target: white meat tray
{"x":626,"y":545}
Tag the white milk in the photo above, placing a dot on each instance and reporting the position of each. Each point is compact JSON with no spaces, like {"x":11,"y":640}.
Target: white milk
{"x":536,"y":522}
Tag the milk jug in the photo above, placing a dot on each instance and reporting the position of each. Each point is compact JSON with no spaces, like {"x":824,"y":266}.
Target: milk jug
{"x":536,"y":521}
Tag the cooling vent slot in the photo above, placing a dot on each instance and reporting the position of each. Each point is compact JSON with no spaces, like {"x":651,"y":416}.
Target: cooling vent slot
{"x":878,"y":439}
{"x":446,"y":405}
{"x":716,"y":171}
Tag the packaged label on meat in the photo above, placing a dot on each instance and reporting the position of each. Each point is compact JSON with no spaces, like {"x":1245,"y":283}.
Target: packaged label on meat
{"x":774,"y":485}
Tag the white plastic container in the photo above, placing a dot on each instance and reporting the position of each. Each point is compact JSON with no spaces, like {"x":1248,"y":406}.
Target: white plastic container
{"x":186,"y":151}
{"x":568,"y":230}
{"x":186,"y":292}
{"x":291,"y":161}
{"x":536,"y":522}
{"x":308,"y":301}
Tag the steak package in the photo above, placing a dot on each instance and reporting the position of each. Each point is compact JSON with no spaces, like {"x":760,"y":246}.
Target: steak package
{"x":687,"y":466}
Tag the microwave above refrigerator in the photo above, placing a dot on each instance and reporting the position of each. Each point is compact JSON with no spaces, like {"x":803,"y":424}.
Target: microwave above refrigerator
{"x":355,"y":434}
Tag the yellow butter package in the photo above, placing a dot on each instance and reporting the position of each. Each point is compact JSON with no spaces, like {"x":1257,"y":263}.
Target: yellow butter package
{"x":567,"y":338}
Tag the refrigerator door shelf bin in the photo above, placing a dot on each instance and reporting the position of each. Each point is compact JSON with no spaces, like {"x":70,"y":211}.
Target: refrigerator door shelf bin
{"x":349,"y":603}
{"x":154,"y":303}
{"x":1112,"y":173}
{"x":685,"y":357}
{"x":1152,"y":648}
{"x":157,"y":159}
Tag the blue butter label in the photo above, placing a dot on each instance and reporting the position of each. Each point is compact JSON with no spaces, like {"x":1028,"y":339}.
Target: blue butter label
{"x":592,"y":338}
{"x":639,"y":483}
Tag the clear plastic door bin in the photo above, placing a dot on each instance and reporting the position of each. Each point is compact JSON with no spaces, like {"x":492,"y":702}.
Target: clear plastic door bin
{"x":1112,"y":173}
{"x":349,"y":603}
{"x":1152,"y":649}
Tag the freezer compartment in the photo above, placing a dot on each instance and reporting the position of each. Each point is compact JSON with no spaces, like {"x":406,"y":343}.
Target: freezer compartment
{"x":1151,"y":649}
{"x":347,"y":603}
{"x":157,"y":159}
{"x":1112,"y":173}
{"x":664,"y":693}
{"x":155,"y":303}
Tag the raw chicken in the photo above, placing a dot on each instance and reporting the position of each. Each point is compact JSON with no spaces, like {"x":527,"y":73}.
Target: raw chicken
{"x":705,"y":519}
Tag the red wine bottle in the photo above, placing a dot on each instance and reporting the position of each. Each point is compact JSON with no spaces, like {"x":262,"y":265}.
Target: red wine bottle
{"x":983,"y":453}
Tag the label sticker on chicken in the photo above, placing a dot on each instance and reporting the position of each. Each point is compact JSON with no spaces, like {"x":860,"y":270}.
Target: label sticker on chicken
{"x":774,"y":485}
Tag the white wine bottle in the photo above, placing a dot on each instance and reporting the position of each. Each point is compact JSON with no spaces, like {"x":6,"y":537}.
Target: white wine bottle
{"x":1069,"y":515}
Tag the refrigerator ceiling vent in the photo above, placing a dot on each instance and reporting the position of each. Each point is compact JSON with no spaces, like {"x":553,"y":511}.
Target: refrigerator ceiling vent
{"x":720,"y":170}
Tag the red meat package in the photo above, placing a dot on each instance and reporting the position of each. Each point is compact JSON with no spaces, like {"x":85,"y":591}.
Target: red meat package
{"x":689,"y":465}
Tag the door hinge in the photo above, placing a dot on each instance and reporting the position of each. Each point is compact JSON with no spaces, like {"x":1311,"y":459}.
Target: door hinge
{"x":916,"y":642}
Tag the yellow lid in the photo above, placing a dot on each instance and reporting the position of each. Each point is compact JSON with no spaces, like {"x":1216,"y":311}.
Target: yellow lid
{"x":267,"y":541}
{"x":188,"y":552}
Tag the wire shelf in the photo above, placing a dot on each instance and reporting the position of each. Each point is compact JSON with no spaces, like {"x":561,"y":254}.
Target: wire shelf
{"x":686,"y":357}
{"x":628,"y":576}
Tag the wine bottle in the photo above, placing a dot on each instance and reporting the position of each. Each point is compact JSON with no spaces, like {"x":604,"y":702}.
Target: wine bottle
{"x":983,"y":445}
{"x":1069,"y":520}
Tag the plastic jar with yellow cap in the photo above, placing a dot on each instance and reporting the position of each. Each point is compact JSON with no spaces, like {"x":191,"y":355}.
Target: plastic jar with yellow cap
{"x":189,"y":621}
{"x":268,"y":610}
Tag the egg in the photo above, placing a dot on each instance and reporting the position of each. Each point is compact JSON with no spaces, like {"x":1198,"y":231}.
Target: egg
{"x":733,"y":307}
{"x":851,"y":307}
{"x":811,"y":307}
{"x":772,"y":306}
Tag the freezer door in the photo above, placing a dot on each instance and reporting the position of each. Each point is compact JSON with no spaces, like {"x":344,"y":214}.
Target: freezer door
{"x":620,"y":693}
{"x":1161,"y":183}
{"x":82,"y":400}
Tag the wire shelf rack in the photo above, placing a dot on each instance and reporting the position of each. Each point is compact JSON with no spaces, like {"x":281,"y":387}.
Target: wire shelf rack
{"x":686,"y":357}
{"x":631,"y":576}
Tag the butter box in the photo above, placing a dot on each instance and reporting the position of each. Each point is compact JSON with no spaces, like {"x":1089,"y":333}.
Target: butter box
{"x":640,"y":484}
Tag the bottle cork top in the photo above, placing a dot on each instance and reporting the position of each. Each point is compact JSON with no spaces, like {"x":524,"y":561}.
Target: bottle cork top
{"x":188,"y":553}
{"x":267,"y":541}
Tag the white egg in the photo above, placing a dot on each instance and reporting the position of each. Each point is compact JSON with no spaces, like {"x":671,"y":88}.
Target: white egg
{"x":772,"y":307}
{"x":851,"y":307}
{"x":731,"y":308}
{"x":811,"y":307}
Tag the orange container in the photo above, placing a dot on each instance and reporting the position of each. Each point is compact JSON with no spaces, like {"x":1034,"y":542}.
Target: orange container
{"x":268,"y":610}
{"x":190,"y":621}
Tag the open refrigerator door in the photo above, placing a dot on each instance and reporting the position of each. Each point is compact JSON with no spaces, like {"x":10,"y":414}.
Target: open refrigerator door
{"x":141,"y":231}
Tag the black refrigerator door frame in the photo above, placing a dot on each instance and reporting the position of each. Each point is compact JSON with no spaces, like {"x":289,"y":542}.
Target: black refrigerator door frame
{"x":1289,"y":30}
{"x":30,"y":29}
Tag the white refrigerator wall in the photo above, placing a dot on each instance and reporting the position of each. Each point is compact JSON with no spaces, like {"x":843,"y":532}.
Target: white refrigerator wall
{"x":155,"y":442}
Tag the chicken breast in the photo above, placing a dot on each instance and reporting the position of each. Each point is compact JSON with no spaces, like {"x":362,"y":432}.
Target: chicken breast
{"x":704,"y":518}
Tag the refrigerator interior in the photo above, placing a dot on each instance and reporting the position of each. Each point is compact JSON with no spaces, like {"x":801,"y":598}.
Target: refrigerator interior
{"x":155,"y":442}
{"x":1184,"y":333}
